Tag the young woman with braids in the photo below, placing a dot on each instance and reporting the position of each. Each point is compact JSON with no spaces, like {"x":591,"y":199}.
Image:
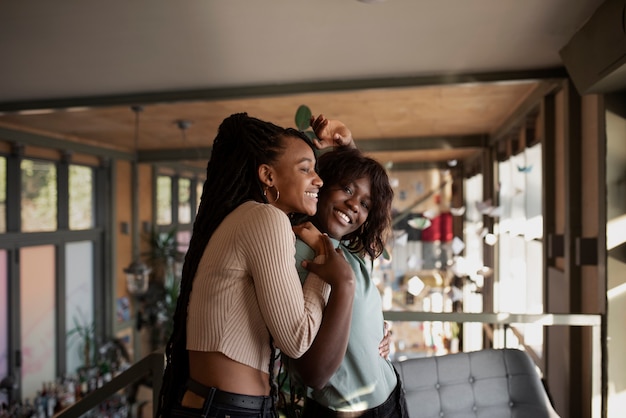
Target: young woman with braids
{"x":240,"y":295}
{"x":350,"y":377}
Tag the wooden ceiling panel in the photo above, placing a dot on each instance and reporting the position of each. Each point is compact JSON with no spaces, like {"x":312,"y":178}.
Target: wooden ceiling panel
{"x":418,"y":156}
{"x":441,"y":111}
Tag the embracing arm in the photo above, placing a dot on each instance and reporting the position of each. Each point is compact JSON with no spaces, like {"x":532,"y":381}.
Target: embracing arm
{"x":292,"y":312}
{"x":323,"y":358}
{"x":321,"y":361}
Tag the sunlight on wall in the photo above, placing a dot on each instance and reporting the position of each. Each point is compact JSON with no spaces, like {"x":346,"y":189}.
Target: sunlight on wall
{"x":615,"y":232}
{"x":616,"y":264}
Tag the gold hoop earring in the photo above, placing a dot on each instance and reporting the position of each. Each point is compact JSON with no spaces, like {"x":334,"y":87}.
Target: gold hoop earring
{"x":277,"y":194}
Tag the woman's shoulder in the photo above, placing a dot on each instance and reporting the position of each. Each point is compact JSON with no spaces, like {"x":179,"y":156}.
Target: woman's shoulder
{"x":254,"y":212}
{"x":252,"y":207}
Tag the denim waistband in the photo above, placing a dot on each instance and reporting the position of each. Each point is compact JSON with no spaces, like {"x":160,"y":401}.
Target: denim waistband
{"x":315,"y":409}
{"x":229,"y":398}
{"x":242,"y":401}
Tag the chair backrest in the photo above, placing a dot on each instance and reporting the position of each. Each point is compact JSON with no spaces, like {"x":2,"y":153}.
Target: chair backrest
{"x":486,"y":383}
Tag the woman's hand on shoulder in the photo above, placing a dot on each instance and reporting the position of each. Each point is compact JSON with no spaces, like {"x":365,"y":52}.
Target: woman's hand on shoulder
{"x":334,"y":269}
{"x":310,"y":235}
{"x":331,"y":132}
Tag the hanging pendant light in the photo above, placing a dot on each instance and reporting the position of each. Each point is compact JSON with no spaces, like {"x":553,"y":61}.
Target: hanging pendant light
{"x":137,"y":273}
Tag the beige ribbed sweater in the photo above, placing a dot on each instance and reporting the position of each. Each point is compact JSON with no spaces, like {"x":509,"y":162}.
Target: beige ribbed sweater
{"x":246,"y":284}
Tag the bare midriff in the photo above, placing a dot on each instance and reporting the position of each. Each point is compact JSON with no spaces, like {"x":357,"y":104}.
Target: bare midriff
{"x":214,"y":369}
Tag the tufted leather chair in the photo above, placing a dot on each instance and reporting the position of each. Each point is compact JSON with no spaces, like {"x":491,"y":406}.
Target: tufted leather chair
{"x":494,"y":383}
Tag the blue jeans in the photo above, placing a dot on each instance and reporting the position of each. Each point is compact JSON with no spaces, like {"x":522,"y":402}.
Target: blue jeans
{"x":229,"y":411}
{"x":222,"y":404}
{"x":394,"y":407}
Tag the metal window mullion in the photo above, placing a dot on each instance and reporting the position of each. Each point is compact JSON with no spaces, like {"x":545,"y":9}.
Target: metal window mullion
{"x":104,"y":282}
{"x":14,"y":225}
{"x":63,"y":193}
{"x":14,"y":188}
{"x":193,"y":197}
{"x":573,"y":230}
{"x":63,"y":197}
{"x":14,"y":310}
{"x":175,"y":198}
{"x":60,"y":311}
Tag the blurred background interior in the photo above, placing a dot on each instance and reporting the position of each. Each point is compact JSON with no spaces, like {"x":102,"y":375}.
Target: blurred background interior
{"x":502,"y":126}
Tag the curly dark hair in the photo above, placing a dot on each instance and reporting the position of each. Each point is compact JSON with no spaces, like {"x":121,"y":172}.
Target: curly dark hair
{"x":242,"y":144}
{"x":344,"y":165}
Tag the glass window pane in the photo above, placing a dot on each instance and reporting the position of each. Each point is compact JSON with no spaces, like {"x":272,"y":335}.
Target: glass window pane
{"x":3,"y":194}
{"x":506,"y":194}
{"x":199,"y":187}
{"x":534,"y":276}
{"x":39,"y":196}
{"x":511,"y":293}
{"x":164,"y":200}
{"x":534,"y":223}
{"x":81,"y":197}
{"x":4,"y":322}
{"x":182,"y":240}
{"x":473,"y":260}
{"x":184,"y":203}
{"x":518,"y":197}
{"x":37,"y":314}
{"x":182,"y":245}
{"x":79,"y":303}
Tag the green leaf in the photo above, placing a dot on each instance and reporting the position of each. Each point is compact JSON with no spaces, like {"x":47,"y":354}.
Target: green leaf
{"x":303,"y":117}
{"x":310,"y":134}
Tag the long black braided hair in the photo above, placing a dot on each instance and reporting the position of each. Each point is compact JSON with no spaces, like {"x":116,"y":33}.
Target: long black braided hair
{"x":241,"y":145}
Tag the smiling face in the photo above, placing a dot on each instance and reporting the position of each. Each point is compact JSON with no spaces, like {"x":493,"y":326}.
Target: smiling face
{"x":343,"y":209}
{"x":294,"y":176}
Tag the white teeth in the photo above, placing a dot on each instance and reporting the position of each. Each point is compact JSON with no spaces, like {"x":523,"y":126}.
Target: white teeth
{"x":311,"y":194}
{"x":343,"y":216}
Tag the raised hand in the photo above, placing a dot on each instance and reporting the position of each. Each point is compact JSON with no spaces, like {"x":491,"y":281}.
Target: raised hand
{"x":331,"y":132}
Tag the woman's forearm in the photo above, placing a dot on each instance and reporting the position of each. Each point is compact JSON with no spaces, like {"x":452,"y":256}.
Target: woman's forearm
{"x":323,"y":358}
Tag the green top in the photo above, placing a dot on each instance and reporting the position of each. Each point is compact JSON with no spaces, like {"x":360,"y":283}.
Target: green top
{"x":364,"y":379}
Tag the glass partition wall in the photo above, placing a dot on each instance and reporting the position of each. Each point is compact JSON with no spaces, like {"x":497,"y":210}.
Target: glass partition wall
{"x":519,"y":237}
{"x":49,"y":246}
{"x":431,"y":270}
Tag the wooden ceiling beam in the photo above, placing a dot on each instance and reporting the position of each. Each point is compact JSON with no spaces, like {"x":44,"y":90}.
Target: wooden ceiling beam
{"x":528,"y":106}
{"x":423,"y":143}
{"x":418,"y":166}
{"x":174,"y":154}
{"x":368,"y":145}
{"x":239,"y":92}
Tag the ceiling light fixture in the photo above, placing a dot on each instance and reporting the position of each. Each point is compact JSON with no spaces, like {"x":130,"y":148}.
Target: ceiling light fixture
{"x":137,"y":273}
{"x":183,"y":125}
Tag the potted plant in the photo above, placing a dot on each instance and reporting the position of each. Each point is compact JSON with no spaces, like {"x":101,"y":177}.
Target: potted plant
{"x":85,"y":333}
{"x":159,"y":302}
